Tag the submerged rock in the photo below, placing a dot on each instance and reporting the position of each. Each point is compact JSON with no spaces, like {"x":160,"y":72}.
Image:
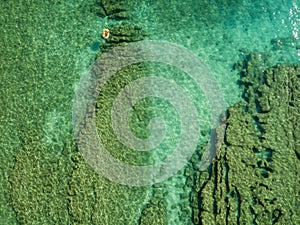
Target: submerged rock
{"x":111,"y":7}
{"x":255,"y":176}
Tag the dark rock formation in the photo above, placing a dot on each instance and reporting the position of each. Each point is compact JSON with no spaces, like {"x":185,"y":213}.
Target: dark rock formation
{"x":255,"y":179}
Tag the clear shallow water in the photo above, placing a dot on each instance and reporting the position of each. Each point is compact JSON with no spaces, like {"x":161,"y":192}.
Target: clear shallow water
{"x":221,"y":32}
{"x":46,"y":47}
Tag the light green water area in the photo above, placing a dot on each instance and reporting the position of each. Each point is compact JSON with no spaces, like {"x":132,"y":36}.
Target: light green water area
{"x":45,"y":50}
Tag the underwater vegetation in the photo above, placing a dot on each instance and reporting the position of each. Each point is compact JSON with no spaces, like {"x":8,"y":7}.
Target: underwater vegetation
{"x":254,"y":178}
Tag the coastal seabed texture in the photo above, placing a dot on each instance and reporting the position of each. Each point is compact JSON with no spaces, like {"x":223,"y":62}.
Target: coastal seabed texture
{"x":252,"y":48}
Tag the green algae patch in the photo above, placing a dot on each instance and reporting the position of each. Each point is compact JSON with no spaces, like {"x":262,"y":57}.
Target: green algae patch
{"x":39,"y":183}
{"x":255,"y":177}
{"x":95,"y":200}
{"x":141,"y":115}
{"x":154,"y":214}
{"x":65,"y":190}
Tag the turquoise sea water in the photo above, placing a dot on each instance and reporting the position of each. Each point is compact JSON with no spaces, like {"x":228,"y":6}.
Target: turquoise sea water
{"x":46,"y":48}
